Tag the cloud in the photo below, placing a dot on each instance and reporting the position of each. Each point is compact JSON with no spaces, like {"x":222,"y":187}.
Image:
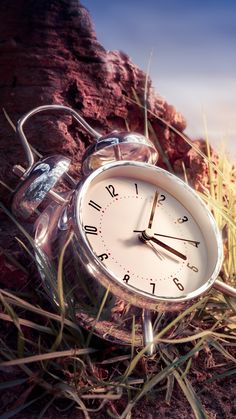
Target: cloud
{"x":194,"y":60}
{"x":186,"y":36}
{"x":212,"y":98}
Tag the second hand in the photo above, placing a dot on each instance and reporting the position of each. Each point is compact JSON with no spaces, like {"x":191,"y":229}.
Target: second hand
{"x":171,"y":237}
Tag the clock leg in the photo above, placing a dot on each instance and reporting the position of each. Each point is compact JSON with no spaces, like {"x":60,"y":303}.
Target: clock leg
{"x":225,"y":288}
{"x":148,"y":331}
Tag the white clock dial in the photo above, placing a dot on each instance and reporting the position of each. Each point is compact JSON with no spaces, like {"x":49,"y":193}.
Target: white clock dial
{"x":148,"y":231}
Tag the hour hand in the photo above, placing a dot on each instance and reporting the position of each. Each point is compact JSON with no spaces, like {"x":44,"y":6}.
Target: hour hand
{"x":147,"y":235}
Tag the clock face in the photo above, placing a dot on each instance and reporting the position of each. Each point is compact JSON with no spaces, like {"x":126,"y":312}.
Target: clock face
{"x":148,"y":232}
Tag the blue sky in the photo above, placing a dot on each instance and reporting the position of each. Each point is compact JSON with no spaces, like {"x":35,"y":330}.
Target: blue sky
{"x":193,"y":46}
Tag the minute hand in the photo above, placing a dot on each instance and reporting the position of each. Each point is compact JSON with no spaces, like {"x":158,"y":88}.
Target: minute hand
{"x":154,"y":204}
{"x":147,"y":237}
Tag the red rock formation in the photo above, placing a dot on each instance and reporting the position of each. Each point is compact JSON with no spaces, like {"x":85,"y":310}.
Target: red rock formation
{"x":50,"y":54}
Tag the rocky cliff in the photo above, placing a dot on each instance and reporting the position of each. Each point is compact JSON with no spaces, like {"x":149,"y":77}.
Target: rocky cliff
{"x":49,"y":53}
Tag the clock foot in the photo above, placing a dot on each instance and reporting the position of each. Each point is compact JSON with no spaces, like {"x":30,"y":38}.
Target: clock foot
{"x":225,"y":288}
{"x":148,"y":332}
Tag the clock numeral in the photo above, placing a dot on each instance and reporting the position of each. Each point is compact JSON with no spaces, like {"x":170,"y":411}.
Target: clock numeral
{"x":178,"y":284}
{"x":95,"y":206}
{"x":161,"y":199}
{"x":153,"y":287}
{"x":136,"y":188}
{"x":194,"y":268}
{"x":126,"y":278}
{"x":111,"y":190}
{"x":91,"y":230}
{"x":182,"y":219}
{"x":103,"y":256}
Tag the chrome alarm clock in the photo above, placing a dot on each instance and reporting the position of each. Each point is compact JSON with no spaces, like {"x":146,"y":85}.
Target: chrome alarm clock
{"x":136,"y":229}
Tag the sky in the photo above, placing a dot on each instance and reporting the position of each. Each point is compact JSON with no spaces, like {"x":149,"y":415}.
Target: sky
{"x":192,"y":45}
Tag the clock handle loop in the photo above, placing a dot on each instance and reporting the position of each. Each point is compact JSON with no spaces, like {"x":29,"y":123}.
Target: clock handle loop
{"x":38,"y":179}
{"x":28,"y":115}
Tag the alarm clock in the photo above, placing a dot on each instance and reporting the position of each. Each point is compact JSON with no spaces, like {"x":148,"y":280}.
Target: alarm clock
{"x":131,"y":228}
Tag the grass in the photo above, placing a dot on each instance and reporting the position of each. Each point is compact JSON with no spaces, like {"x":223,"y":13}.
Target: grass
{"x":50,"y":361}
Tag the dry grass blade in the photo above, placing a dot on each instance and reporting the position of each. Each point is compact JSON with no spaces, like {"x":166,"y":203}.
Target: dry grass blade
{"x":87,"y":290}
{"x":14,"y":383}
{"x":133,"y":337}
{"x":160,"y":150}
{"x":14,"y":412}
{"x":231,"y":303}
{"x":197,"y":407}
{"x":60,"y":294}
{"x":74,"y":396}
{"x":60,"y":275}
{"x":11,"y":123}
{"x":215,"y":205}
{"x":185,"y":385}
{"x":169,"y":388}
{"x":13,"y":299}
{"x":10,"y":312}
{"x":152,"y":382}
{"x":6,"y":186}
{"x":13,"y":260}
{"x":182,"y":135}
{"x":49,"y":272}
{"x":161,"y":333}
{"x":222,"y":350}
{"x":28,"y":323}
{"x":51,"y":355}
{"x":98,"y":315}
{"x":115,"y":359}
{"x":150,"y":128}
{"x":9,"y":119}
{"x":145,"y":98}
{"x":46,"y":407}
{"x":229,"y":372}
{"x":194,"y":337}
{"x":210,"y":168}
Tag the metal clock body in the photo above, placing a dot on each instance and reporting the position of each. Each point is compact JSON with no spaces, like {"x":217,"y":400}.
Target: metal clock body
{"x":177,"y":262}
{"x":138,"y":230}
